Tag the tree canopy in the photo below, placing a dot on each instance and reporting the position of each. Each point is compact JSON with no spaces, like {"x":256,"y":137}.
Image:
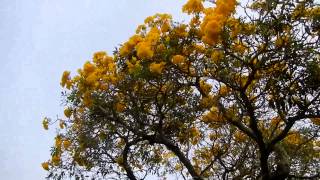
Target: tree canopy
{"x":234,"y":93}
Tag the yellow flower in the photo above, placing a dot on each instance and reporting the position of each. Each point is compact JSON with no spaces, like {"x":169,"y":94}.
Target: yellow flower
{"x":240,"y":48}
{"x":91,"y":79}
{"x":239,"y":136}
{"x":212,"y":31}
{"x":294,"y":138}
{"x":68,"y":112}
{"x":177,"y":59}
{"x":157,"y":67}
{"x":65,"y":78}
{"x":88,"y":68}
{"x":193,"y":6}
{"x":128,"y":46}
{"x":205,"y":87}
{"x":58,"y":141}
{"x":124,"y":50}
{"x":87,"y":100}
{"x":223,"y":90}
{"x":215,"y":20}
{"x":56,"y":159}
{"x":216,"y":56}
{"x":98,"y":56}
{"x":153,"y":35}
{"x":45,"y":123}
{"x":61,"y":124}
{"x":181,"y":31}
{"x":45,"y":166}
{"x":144,"y":50}
{"x":133,"y":67}
{"x":165,"y":27}
{"x":66,"y":144}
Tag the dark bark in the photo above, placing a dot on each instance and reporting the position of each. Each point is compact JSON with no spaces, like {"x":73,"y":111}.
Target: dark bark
{"x":126,"y":165}
{"x":176,"y":150}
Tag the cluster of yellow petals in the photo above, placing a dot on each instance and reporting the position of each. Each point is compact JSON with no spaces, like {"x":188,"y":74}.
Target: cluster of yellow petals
{"x":193,"y":6}
{"x":68,"y":112}
{"x":178,"y":59}
{"x":224,"y":90}
{"x":128,"y":46}
{"x":45,"y":166}
{"x":133,"y":66}
{"x":45,"y":123}
{"x":66,"y":144}
{"x":144,"y":50}
{"x":217,"y":56}
{"x":239,"y":136}
{"x":214,"y":20}
{"x":195,"y":135}
{"x":65,"y":80}
{"x":56,"y":160}
{"x":294,"y":138}
{"x":95,"y":75}
{"x":212,"y":116}
{"x":205,"y":87}
{"x":144,"y":43}
{"x":157,"y":67}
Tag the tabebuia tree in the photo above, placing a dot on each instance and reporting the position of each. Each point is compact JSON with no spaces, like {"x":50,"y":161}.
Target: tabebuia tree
{"x":234,"y":93}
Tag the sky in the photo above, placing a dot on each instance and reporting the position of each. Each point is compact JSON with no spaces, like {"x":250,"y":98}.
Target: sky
{"x":39,"y":39}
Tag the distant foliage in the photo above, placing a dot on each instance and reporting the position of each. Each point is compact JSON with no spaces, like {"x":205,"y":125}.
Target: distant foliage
{"x":232,"y":94}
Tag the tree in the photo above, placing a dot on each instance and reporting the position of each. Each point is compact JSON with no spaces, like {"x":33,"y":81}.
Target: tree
{"x":229,"y":95}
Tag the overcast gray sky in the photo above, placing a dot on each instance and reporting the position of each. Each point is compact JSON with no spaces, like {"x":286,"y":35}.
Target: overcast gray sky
{"x":39,"y":39}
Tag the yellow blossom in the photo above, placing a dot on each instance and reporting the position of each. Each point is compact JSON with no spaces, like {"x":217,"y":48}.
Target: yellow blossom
{"x":58,"y":142}
{"x":212,"y":31}
{"x":65,"y":78}
{"x":88,"y":68}
{"x":157,"y":67}
{"x":45,"y":123}
{"x":215,"y":20}
{"x":87,"y":100}
{"x":193,"y":6}
{"x":98,"y":56}
{"x":68,"y":112}
{"x":216,"y":56}
{"x":165,"y":27}
{"x":294,"y":138}
{"x":181,"y":31}
{"x":144,"y":50}
{"x":128,"y":46}
{"x":124,"y":50}
{"x":205,"y":87}
{"x":91,"y":79}
{"x":45,"y":166}
{"x":56,"y":159}
{"x":153,"y":36}
{"x":177,"y":59}
{"x":240,"y":48}
{"x":239,"y":136}
{"x":61,"y":124}
{"x":66,"y":144}
{"x":223,"y":90}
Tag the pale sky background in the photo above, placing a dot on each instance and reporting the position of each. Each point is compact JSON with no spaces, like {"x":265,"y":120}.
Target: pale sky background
{"x":39,"y":39}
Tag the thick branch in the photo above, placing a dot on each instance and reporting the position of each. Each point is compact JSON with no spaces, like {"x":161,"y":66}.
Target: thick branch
{"x":176,"y":150}
{"x":126,"y":165}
